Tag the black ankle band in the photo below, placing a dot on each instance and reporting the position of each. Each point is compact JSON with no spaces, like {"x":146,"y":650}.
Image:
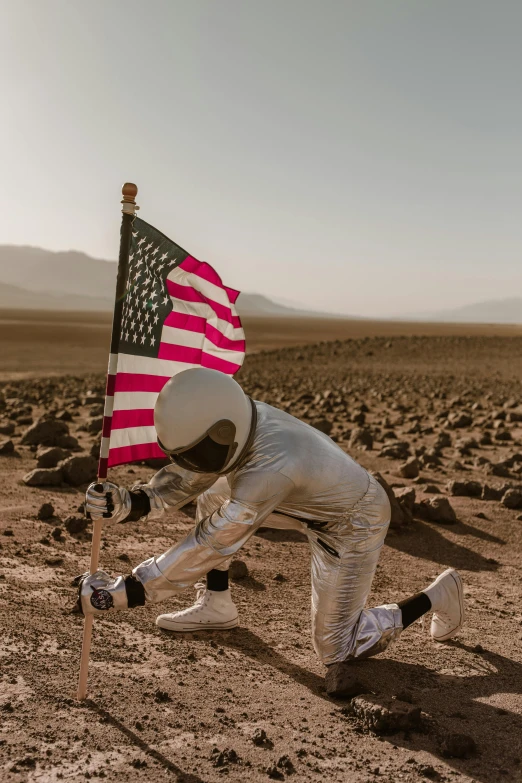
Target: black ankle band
{"x":135,"y":592}
{"x":413,"y":608}
{"x":217,"y":580}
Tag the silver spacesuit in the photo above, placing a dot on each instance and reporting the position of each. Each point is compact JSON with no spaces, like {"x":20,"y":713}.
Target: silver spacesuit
{"x":292,"y":476}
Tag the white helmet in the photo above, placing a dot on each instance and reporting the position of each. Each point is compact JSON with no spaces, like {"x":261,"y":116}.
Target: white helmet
{"x":204,"y":420}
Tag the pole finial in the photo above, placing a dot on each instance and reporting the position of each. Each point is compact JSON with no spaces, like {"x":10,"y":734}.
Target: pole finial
{"x":129,"y":192}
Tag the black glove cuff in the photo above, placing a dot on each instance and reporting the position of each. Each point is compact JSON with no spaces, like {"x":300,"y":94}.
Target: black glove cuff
{"x":140,"y":505}
{"x":135,"y":592}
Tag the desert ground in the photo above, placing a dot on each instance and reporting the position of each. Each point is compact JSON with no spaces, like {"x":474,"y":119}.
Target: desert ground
{"x":436,"y":410}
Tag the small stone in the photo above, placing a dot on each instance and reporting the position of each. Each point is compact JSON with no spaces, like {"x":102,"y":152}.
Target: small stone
{"x":7,"y":447}
{"x":45,"y":512}
{"x":396,"y":450}
{"x":45,"y":432}
{"x":162,"y":697}
{"x":490,"y":493}
{"x":79,"y":470}
{"x":410,"y":469}
{"x":470,"y":489}
{"x":280,"y":578}
{"x":7,"y":427}
{"x":341,"y":681}
{"x":512,"y":499}
{"x":260,"y":738}
{"x":54,"y":561}
{"x":458,"y":746}
{"x":385,"y":716}
{"x":286,"y":765}
{"x":437,"y":509}
{"x":458,"y":420}
{"x":50,"y":456}
{"x":274,"y":774}
{"x":398,"y":518}
{"x":56,"y":533}
{"x":238,"y":569}
{"x":75,"y":525}
{"x":361,"y":437}
{"x":478,"y":648}
{"x":43,"y":477}
{"x":124,"y":556}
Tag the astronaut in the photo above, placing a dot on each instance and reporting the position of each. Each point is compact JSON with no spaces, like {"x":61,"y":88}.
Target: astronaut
{"x":251,"y":465}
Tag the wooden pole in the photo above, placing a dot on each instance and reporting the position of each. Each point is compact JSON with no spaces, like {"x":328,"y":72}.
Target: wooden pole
{"x":129,"y":192}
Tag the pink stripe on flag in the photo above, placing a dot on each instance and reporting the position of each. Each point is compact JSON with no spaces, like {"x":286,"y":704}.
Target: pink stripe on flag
{"x":137,"y":417}
{"x":219,"y":339}
{"x":137,"y":382}
{"x":232,"y":294}
{"x":135,"y":453}
{"x":192,"y":323}
{"x":201,"y":269}
{"x":181,"y":353}
{"x":188,"y":294}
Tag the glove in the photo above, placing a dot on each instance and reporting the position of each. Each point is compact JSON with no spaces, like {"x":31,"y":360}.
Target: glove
{"x":112,"y":502}
{"x":100,"y":592}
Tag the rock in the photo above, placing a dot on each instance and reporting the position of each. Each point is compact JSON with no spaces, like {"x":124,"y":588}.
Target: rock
{"x":410,"y":469}
{"x":458,"y":420}
{"x":224,"y":757}
{"x":274,"y":774}
{"x":94,"y":426}
{"x":443,"y":440}
{"x":342,"y":681}
{"x":43,"y":477}
{"x":75,"y":525}
{"x":385,"y":716}
{"x":323,"y":425}
{"x":361,"y":437}
{"x":7,"y":447}
{"x":512,"y":499}
{"x":56,"y":533}
{"x":469,"y":489}
{"x":406,"y":497}
{"x":124,"y":557}
{"x":162,"y":697}
{"x":458,"y":746}
{"x":238,"y":569}
{"x":260,"y":738}
{"x":397,"y":514}
{"x":79,"y":470}
{"x":280,"y":578}
{"x":45,"y":512}
{"x":503,"y":435}
{"x":501,"y":469}
{"x":431,"y":489}
{"x":54,"y":561}
{"x":45,"y":432}
{"x":7,"y":427}
{"x":437,"y":509}
{"x":396,"y":450}
{"x":68,"y":442}
{"x":50,"y":456}
{"x":286,"y":765}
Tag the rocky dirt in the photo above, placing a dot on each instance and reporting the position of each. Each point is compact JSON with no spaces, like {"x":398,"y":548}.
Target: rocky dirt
{"x":440,"y":419}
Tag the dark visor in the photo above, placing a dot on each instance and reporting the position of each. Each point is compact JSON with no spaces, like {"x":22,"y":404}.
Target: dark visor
{"x":210,"y":453}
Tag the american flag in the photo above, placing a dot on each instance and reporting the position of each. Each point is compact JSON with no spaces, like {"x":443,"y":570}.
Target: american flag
{"x":176,"y":314}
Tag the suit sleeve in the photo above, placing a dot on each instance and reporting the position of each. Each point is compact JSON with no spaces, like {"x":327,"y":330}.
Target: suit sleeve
{"x":174,"y":487}
{"x":254,"y":496}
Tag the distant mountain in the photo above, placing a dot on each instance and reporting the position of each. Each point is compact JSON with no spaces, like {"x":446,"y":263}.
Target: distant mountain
{"x":33,"y":278}
{"x":493,"y":311}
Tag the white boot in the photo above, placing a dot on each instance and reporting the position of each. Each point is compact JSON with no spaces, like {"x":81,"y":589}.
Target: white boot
{"x":446,"y":594}
{"x":213,"y":610}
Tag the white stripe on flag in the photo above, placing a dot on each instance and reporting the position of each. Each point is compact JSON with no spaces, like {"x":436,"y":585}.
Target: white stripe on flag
{"x":132,"y":435}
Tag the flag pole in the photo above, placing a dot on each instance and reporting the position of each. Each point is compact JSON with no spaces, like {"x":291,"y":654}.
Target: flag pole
{"x":129,"y":192}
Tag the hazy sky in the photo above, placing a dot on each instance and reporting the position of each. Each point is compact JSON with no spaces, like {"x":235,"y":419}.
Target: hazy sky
{"x":357,"y":156}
